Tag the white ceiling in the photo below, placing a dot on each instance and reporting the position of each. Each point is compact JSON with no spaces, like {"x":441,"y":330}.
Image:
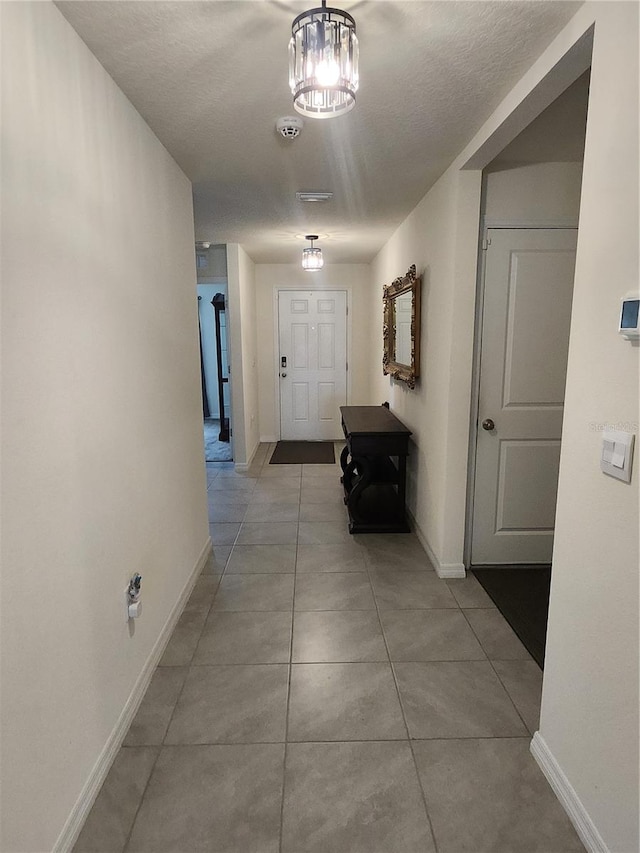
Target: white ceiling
{"x":211,"y":79}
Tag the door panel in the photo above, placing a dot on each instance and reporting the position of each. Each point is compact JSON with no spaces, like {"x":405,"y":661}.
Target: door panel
{"x":528,"y":288}
{"x":312,"y":337}
{"x":532,"y":508}
{"x":538,"y":310}
{"x":299,"y":346}
{"x":300,"y":401}
{"x":326,"y":398}
{"x":326,"y":346}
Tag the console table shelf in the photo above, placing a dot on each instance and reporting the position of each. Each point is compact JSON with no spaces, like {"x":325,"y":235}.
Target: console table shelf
{"x":374,"y":485}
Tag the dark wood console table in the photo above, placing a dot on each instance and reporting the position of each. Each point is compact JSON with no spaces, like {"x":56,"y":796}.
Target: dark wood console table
{"x":374,"y":485}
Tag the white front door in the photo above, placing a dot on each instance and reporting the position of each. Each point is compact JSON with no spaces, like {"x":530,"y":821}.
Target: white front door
{"x":528,"y":288}
{"x":312,"y":363}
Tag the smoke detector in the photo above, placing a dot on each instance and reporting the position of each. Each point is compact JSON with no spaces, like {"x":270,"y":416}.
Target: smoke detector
{"x":289,"y":126}
{"x":203,"y":244}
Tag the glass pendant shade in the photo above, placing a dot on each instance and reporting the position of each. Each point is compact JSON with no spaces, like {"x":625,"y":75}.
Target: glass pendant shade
{"x":312,"y":257}
{"x":323,"y":62}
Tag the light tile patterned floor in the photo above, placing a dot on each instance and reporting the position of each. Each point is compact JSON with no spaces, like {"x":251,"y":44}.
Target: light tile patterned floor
{"x":327,"y":692}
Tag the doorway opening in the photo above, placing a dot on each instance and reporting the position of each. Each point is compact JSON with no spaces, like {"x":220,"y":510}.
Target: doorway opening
{"x":531,"y":198}
{"x":215,"y":371}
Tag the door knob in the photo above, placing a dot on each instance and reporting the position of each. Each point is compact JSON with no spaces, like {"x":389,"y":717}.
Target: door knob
{"x":283,"y":375}
{"x":488,"y":424}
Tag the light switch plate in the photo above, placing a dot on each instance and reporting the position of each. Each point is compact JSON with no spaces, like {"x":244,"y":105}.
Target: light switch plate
{"x":617,"y":454}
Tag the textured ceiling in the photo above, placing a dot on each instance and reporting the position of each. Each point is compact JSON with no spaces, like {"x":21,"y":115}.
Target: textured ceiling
{"x":211,"y":79}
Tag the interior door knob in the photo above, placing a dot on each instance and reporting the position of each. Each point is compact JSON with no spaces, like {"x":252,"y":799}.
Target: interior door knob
{"x":283,"y":375}
{"x":488,"y":424}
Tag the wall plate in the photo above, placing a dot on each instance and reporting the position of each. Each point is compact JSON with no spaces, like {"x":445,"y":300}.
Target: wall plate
{"x":617,"y":454}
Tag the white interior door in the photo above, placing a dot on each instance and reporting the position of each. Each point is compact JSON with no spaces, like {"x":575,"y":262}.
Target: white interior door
{"x":312,"y":363}
{"x":528,"y":288}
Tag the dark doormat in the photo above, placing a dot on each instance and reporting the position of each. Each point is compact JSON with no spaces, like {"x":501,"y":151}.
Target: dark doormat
{"x":522,"y":596}
{"x":303,"y":452}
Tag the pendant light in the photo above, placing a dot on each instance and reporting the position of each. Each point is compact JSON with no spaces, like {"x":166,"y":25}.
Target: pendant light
{"x":312,"y":260}
{"x":323,"y":62}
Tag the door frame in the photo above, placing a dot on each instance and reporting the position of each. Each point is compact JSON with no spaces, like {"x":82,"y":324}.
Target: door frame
{"x":555,"y":225}
{"x":277,"y":289}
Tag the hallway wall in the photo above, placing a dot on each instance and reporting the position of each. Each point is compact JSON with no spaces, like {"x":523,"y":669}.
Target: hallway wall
{"x":216,"y":263}
{"x":589,"y":722}
{"x":588,"y":739}
{"x":542,"y":194}
{"x":103,"y":465}
{"x":244,"y":354}
{"x":440,"y":238}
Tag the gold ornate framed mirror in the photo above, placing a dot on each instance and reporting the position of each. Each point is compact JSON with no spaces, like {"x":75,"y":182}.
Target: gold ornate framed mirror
{"x":401,"y":329}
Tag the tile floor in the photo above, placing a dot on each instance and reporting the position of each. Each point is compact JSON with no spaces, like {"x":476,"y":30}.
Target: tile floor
{"x":329,"y":693}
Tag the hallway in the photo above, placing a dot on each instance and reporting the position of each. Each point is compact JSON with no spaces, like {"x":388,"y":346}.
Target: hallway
{"x":329,"y":693}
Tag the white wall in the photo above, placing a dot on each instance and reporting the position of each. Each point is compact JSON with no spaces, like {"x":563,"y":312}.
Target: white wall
{"x":216,"y":259}
{"x":440,"y":238}
{"x":103,"y":465}
{"x":534,"y":194}
{"x":590,"y":699}
{"x":556,"y":135}
{"x":355,"y":278}
{"x":589,"y":727}
{"x":244,"y":354}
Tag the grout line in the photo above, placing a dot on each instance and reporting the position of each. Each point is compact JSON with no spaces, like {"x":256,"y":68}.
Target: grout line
{"x":290,"y":671}
{"x":160,"y":746}
{"x":386,"y":645}
{"x":490,"y":661}
{"x":325,"y":741}
{"x":402,"y":709}
{"x":125,"y":846}
{"x":294,"y":612}
{"x":424,"y":796}
{"x":333,"y":661}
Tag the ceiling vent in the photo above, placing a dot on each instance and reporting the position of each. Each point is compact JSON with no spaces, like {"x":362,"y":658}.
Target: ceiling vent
{"x":289,"y":126}
{"x":314,"y":196}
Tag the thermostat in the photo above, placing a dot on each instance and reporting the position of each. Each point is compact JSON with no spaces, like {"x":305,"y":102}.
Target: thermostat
{"x":629,"y":317}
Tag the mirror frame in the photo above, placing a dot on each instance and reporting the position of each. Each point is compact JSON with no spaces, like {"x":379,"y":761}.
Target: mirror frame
{"x":408,"y":373}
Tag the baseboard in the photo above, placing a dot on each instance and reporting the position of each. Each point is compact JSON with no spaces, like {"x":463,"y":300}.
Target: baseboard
{"x":451,"y":570}
{"x":241,"y":467}
{"x":269,"y":439}
{"x":443,"y":570}
{"x":91,"y":789}
{"x":567,"y":796}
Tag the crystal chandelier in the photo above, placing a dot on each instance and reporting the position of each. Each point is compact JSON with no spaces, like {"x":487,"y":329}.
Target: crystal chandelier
{"x":312,"y":257}
{"x":323,"y":62}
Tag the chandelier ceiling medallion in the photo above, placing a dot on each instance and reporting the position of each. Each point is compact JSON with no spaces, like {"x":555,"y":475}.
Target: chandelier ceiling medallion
{"x":323,"y":62}
{"x":312,"y":259}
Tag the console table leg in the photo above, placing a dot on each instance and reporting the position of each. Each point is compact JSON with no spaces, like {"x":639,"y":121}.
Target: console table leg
{"x":402,"y":482}
{"x":344,"y":455}
{"x":347,"y":479}
{"x":366,"y":476}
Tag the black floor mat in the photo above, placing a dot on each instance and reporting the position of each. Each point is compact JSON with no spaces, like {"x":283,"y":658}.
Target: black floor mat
{"x":303,"y":452}
{"x":522,"y":596}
